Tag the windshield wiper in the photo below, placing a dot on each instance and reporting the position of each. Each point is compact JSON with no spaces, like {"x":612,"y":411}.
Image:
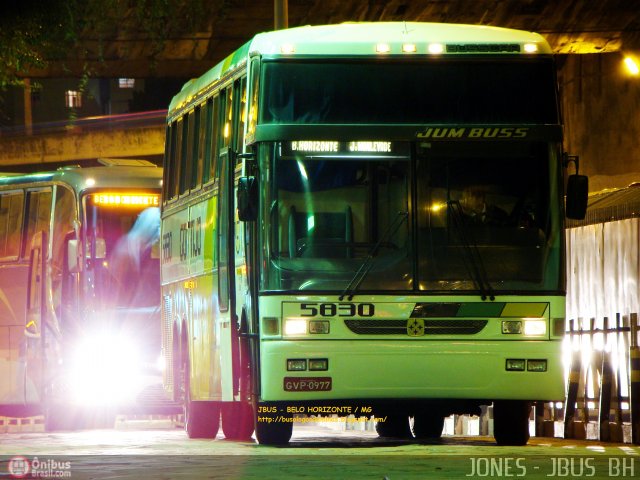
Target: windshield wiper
{"x":473,"y":261}
{"x":366,"y":265}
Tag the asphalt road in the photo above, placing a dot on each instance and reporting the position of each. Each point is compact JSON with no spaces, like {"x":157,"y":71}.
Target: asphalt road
{"x":158,"y":450}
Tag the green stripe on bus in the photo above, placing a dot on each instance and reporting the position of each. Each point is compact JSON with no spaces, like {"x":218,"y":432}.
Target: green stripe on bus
{"x":478,"y":309}
{"x":521,"y":310}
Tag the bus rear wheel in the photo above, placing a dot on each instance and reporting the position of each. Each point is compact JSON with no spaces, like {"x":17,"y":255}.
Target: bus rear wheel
{"x":394,"y":426}
{"x":237,"y":421}
{"x":201,"y":419}
{"x":427,"y":426}
{"x":511,"y":422}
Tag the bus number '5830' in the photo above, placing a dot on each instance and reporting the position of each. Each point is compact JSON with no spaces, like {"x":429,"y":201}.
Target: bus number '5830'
{"x":337,"y":309}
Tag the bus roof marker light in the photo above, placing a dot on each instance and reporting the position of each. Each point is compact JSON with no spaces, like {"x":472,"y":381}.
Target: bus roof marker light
{"x":409,"y":48}
{"x":90,"y":182}
{"x":287,"y":49}
{"x":383,"y":48}
{"x":530,"y":48}
{"x":435,"y":48}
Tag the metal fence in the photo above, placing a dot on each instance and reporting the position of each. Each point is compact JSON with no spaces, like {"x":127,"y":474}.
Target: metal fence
{"x":603,"y":385}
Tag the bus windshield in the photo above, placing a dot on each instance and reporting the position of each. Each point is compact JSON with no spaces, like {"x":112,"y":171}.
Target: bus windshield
{"x":122,"y":249}
{"x":436,"y":217}
{"x":429,"y":91}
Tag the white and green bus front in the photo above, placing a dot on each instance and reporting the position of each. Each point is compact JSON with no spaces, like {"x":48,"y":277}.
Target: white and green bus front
{"x":380,"y":288}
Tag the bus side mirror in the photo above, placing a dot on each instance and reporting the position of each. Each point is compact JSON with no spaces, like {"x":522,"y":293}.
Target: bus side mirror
{"x":577,"y":196}
{"x":247,"y":199}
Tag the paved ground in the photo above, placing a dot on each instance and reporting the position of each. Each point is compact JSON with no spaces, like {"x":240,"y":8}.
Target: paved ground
{"x":158,"y":451}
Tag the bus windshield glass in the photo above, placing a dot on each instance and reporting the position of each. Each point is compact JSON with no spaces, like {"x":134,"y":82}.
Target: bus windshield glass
{"x":122,"y":250}
{"x":429,"y":91}
{"x":437,"y":217}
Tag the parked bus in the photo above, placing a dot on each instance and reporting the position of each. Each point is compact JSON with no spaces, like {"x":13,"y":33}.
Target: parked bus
{"x":79,"y":289}
{"x":366,"y":218}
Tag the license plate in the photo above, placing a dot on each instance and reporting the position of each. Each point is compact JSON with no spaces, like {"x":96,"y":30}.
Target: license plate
{"x":307,"y":384}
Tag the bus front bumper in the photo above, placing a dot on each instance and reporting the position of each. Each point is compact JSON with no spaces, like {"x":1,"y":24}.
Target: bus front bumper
{"x":433,"y":369}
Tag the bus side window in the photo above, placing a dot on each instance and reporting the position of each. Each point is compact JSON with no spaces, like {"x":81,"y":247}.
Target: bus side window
{"x":177,"y":161}
{"x":172,"y":169}
{"x":38,"y":216}
{"x":167,"y":156}
{"x":187,"y":151}
{"x":252,"y":108}
{"x":198,"y":148}
{"x":241,"y":115}
{"x":63,"y":217}
{"x":10,"y":223}
{"x":226,"y":100}
{"x":211,"y":140}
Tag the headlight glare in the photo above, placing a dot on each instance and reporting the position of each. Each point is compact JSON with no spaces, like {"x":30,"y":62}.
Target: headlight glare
{"x":295,"y":326}
{"x":535,"y":327}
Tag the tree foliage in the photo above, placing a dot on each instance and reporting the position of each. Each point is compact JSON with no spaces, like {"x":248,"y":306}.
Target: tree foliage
{"x":36,"y":32}
{"x":33,"y":33}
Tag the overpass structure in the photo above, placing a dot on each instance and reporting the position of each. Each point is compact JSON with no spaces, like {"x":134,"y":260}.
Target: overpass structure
{"x":136,"y":135}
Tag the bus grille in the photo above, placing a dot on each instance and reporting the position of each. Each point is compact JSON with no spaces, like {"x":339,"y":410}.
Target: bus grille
{"x":431,"y":327}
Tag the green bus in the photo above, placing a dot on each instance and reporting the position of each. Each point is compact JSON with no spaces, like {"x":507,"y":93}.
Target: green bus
{"x":366,"y":218}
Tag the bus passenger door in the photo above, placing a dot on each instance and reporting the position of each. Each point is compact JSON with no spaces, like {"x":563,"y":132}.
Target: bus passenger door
{"x":34,"y":337}
{"x":226,"y":287}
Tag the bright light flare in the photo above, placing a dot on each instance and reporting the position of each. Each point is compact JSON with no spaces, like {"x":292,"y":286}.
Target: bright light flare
{"x":104,"y":370}
{"x":435,"y":48}
{"x":409,"y":48}
{"x":437,"y":207}
{"x":295,"y":326}
{"x":383,"y":48}
{"x":530,"y":47}
{"x":535,"y":327}
{"x":632,"y":66}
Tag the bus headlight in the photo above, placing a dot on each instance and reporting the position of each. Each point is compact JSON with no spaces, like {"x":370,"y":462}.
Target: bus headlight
{"x":295,"y":326}
{"x":529,"y":327}
{"x":535,"y":327}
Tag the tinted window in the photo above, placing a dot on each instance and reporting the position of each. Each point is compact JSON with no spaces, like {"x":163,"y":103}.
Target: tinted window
{"x":429,"y":91}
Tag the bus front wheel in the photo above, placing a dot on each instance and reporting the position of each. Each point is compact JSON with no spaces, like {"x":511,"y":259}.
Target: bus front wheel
{"x":394,"y":426}
{"x":274,"y":430}
{"x":511,"y":422}
{"x":426,"y":425}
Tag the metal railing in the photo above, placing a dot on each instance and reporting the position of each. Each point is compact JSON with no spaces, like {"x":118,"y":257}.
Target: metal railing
{"x":603,"y":386}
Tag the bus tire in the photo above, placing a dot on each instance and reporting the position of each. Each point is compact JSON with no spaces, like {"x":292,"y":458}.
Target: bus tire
{"x":394,"y":426}
{"x":201,"y":419}
{"x":428,"y":425}
{"x":270,"y":431}
{"x":237,"y":421}
{"x":511,"y":422}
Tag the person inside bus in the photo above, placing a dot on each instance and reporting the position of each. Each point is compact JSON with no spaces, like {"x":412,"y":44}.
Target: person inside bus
{"x":126,"y":260}
{"x":478,"y":211}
